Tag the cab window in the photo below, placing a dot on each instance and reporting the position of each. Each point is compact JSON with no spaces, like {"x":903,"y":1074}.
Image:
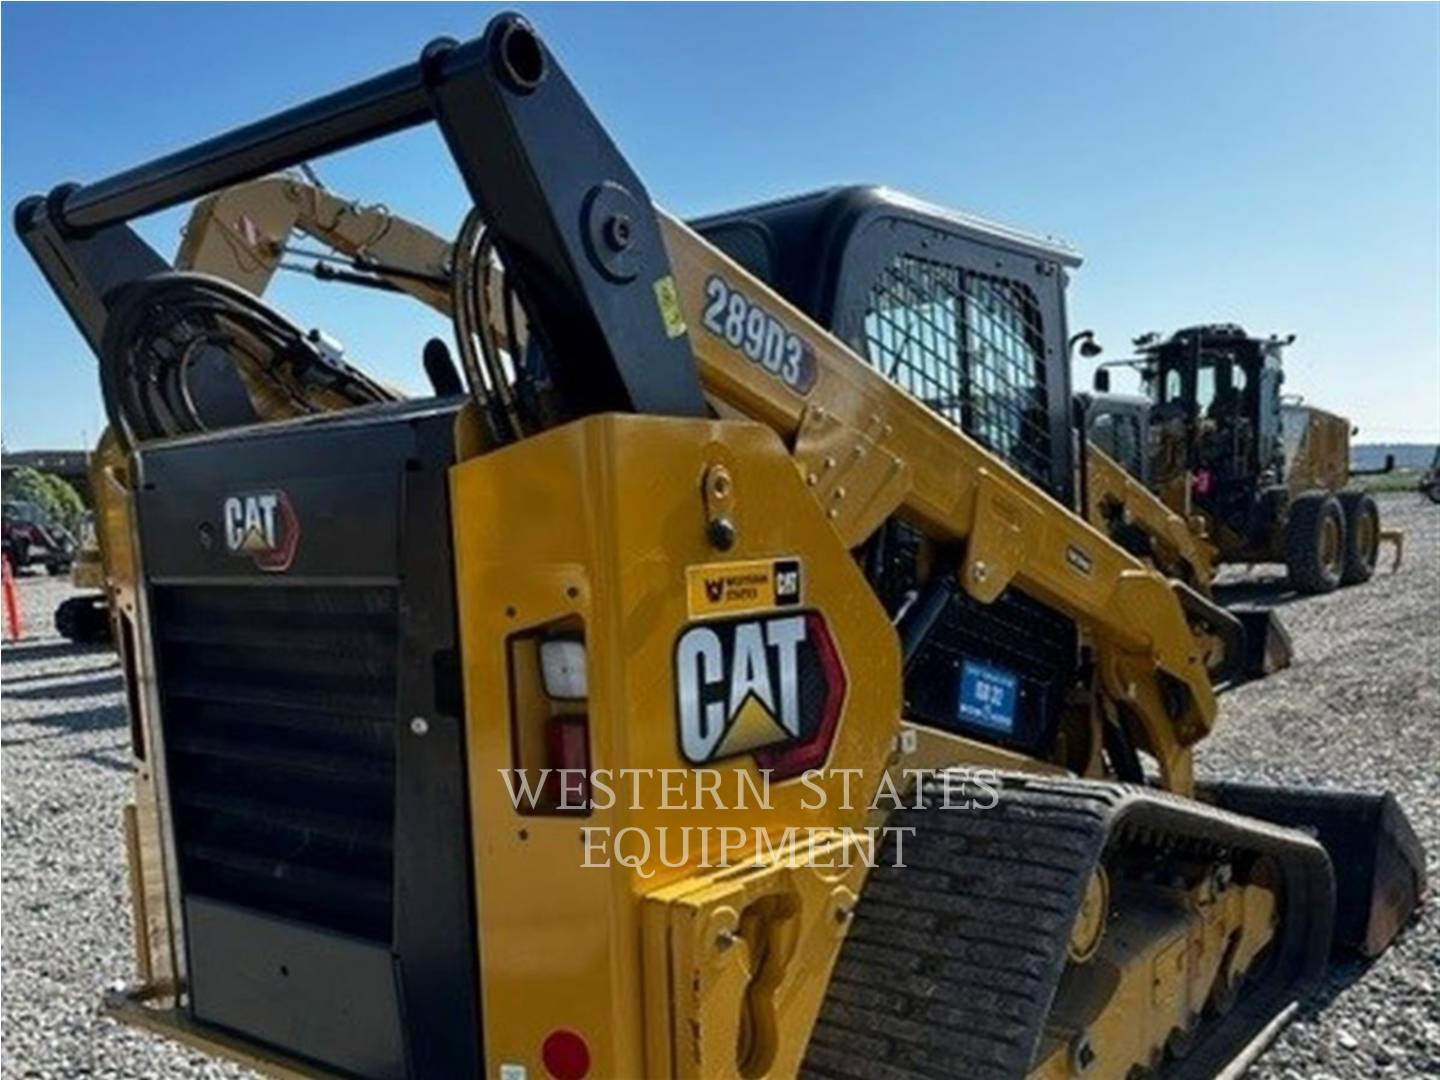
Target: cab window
{"x":1174,"y":388}
{"x":970,"y":346}
{"x":1204,"y":387}
{"x":1118,"y":437}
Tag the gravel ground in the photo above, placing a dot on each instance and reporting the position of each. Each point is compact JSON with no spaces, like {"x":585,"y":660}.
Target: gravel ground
{"x":1360,"y":708}
{"x":65,"y":757}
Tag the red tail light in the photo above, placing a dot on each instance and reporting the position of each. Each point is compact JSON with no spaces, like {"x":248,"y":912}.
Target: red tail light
{"x":568,"y":748}
{"x":566,"y":1055}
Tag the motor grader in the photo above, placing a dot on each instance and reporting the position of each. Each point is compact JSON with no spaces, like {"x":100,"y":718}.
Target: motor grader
{"x":1114,"y":486}
{"x":1263,"y":478}
{"x":784,"y":499}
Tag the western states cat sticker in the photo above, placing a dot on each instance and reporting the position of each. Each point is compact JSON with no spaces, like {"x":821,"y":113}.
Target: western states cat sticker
{"x":754,"y":585}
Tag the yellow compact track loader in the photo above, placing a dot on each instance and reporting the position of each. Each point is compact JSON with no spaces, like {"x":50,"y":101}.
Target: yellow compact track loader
{"x":716,"y":677}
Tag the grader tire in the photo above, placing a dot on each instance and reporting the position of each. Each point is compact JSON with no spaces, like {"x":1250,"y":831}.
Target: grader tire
{"x":1362,"y":537}
{"x":1315,"y":543}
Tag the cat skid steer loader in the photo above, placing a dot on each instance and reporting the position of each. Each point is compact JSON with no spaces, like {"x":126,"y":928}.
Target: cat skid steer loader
{"x":679,"y":529}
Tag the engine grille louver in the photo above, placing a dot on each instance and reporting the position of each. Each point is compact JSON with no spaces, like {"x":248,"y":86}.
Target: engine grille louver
{"x":279,"y":708}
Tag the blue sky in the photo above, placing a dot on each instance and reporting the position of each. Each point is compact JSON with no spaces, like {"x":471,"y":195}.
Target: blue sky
{"x":1272,"y":165}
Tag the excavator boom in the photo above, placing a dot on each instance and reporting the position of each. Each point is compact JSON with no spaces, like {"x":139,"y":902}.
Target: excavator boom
{"x":243,"y":234}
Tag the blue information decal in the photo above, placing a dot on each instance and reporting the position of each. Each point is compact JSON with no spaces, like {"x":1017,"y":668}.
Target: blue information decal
{"x":988,"y":696}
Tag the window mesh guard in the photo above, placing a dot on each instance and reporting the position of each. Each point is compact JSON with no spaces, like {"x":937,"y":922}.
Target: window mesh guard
{"x":970,"y":346}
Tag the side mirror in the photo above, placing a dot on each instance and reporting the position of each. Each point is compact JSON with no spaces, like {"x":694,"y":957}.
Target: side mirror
{"x":1102,"y":379}
{"x":1088,"y":346}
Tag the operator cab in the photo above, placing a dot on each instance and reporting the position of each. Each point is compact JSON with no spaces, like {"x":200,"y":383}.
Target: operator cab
{"x":968,"y":316}
{"x":1214,"y":414}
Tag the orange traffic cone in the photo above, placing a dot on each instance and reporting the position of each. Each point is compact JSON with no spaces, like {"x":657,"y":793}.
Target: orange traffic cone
{"x":14,"y":628}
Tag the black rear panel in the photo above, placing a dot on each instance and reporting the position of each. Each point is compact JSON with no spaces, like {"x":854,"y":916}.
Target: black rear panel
{"x":303,"y":624}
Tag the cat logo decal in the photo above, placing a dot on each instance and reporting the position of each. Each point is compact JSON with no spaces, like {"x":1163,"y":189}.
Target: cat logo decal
{"x":767,"y":686}
{"x":262,"y":527}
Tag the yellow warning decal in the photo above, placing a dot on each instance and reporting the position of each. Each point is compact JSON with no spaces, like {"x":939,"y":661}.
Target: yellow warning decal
{"x":730,"y":588}
{"x":668,"y":298}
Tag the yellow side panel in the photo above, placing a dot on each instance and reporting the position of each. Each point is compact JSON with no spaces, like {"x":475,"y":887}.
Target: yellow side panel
{"x":602,"y":521}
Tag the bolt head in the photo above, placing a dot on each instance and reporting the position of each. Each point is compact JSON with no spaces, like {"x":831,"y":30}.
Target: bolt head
{"x":419,"y":725}
{"x":619,"y":231}
{"x":1082,"y":1053}
{"x":721,"y":532}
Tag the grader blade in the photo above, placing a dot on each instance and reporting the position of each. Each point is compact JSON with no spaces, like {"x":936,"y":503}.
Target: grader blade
{"x":1267,"y":642}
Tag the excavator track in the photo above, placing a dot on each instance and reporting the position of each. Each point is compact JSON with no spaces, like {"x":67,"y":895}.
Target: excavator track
{"x":954,"y":959}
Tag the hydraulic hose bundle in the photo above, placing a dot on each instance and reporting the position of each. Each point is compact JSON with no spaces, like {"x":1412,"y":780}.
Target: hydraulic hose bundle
{"x":187,"y":353}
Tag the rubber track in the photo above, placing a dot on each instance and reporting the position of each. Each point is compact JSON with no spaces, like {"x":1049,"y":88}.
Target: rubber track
{"x":952,"y":961}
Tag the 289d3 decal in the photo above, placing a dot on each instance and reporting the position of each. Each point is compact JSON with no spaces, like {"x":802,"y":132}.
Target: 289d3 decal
{"x":746,"y":326}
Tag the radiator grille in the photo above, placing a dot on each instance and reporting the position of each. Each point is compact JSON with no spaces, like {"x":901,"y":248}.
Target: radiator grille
{"x":970,"y":346}
{"x":278,"y":708}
